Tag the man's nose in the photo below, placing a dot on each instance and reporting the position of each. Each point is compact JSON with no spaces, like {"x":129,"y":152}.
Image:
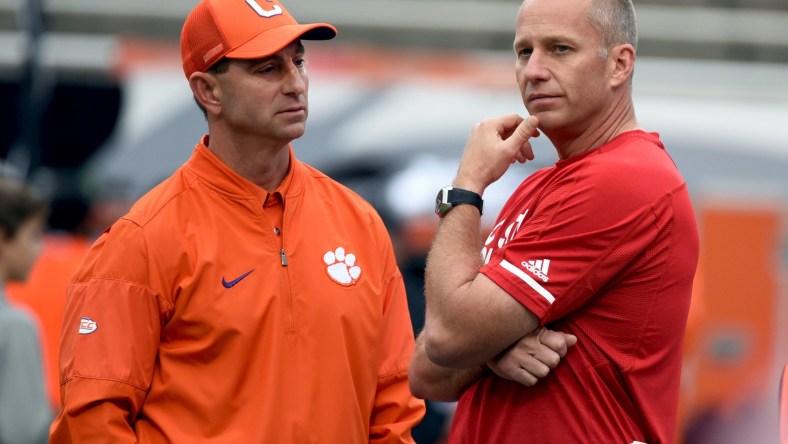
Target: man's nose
{"x":294,"y":80}
{"x":535,"y":68}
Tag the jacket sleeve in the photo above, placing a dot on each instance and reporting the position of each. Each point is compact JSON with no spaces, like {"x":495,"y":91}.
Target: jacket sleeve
{"x":396,"y":410}
{"x":109,"y":341}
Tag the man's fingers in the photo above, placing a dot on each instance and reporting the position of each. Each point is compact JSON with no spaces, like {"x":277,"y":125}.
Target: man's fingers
{"x":557,"y":341}
{"x":519,"y":138}
{"x":526,"y":152}
{"x":509,"y":123}
{"x":523,"y":377}
{"x":547,"y":356}
{"x":526,"y":374}
{"x":527,"y":128}
{"x":522,"y":157}
{"x":533,"y":356}
{"x":535,"y":367}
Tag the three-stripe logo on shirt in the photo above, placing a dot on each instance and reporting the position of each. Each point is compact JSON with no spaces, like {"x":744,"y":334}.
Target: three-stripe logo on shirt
{"x":538,"y":268}
{"x":523,"y":276}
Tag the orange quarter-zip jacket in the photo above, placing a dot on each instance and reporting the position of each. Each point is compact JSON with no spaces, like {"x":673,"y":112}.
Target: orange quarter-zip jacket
{"x":196,"y":318}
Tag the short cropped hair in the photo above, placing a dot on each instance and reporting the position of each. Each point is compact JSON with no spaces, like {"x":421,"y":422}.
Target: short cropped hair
{"x":219,"y":67}
{"x":18,"y":204}
{"x":614,"y":21}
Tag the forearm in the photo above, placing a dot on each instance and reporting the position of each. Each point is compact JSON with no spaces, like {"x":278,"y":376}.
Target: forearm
{"x":455,"y":257}
{"x":452,"y":318}
{"x":469,"y":318}
{"x":452,"y":265}
{"x":430,"y":381}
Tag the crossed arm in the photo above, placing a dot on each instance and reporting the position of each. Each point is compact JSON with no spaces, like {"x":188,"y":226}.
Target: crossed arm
{"x":525,"y":362}
{"x":471,"y":323}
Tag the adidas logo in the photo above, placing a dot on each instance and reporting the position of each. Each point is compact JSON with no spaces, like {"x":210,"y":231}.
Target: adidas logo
{"x":538,"y":268}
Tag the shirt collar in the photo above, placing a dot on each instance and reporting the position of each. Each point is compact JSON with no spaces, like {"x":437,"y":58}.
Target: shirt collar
{"x":210,"y":169}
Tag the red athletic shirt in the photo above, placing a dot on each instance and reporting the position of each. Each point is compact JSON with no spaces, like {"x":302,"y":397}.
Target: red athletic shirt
{"x":603,"y":245}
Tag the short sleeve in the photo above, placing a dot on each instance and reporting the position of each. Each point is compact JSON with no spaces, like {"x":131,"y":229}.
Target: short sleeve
{"x":571,"y":244}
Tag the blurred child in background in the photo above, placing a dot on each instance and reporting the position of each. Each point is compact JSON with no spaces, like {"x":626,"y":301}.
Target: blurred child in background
{"x":25,"y":414}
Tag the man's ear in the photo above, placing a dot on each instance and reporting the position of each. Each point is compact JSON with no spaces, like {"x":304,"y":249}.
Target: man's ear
{"x":622,"y":64}
{"x":207,"y":91}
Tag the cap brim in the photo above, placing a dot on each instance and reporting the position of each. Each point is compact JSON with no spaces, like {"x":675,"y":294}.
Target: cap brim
{"x":274,"y":40}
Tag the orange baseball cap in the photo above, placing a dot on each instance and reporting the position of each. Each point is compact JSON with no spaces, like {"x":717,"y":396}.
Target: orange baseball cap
{"x":241,"y":29}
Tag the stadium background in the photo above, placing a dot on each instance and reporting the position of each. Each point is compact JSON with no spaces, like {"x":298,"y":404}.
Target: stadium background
{"x":94,"y":109}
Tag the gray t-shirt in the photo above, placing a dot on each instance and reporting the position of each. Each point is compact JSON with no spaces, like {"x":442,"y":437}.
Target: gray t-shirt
{"x":25,"y":414}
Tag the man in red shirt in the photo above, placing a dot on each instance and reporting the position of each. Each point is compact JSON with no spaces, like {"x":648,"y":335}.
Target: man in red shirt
{"x":602,"y":245}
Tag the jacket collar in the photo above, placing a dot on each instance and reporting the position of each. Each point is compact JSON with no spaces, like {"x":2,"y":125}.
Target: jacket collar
{"x":211,"y":170}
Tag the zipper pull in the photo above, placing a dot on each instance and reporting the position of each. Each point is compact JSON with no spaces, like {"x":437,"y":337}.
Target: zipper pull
{"x":284,"y":258}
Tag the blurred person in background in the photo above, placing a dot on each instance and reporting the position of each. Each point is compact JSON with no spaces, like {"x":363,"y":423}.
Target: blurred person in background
{"x":248,"y":297}
{"x":25,"y":414}
{"x":603,"y":245}
{"x":783,"y":407}
{"x":65,"y":243}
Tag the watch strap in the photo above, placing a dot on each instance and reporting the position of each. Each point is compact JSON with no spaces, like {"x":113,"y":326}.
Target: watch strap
{"x":453,"y":197}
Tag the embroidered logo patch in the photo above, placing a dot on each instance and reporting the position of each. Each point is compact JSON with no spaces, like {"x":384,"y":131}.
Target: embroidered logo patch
{"x":87,"y":326}
{"x":341,"y":267}
{"x":262,"y":12}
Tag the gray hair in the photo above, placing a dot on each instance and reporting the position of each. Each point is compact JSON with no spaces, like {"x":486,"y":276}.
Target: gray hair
{"x":614,"y":21}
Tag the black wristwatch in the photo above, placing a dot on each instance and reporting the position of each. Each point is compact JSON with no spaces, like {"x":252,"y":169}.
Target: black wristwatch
{"x":449,"y":197}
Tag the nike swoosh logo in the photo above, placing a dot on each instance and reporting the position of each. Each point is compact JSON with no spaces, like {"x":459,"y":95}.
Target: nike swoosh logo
{"x":232,"y":283}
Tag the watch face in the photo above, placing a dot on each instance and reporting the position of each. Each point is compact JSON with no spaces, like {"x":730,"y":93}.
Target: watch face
{"x":441,"y":206}
{"x":449,"y":197}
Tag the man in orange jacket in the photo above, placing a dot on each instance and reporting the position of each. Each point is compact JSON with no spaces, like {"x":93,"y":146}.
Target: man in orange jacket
{"x":247,"y":298}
